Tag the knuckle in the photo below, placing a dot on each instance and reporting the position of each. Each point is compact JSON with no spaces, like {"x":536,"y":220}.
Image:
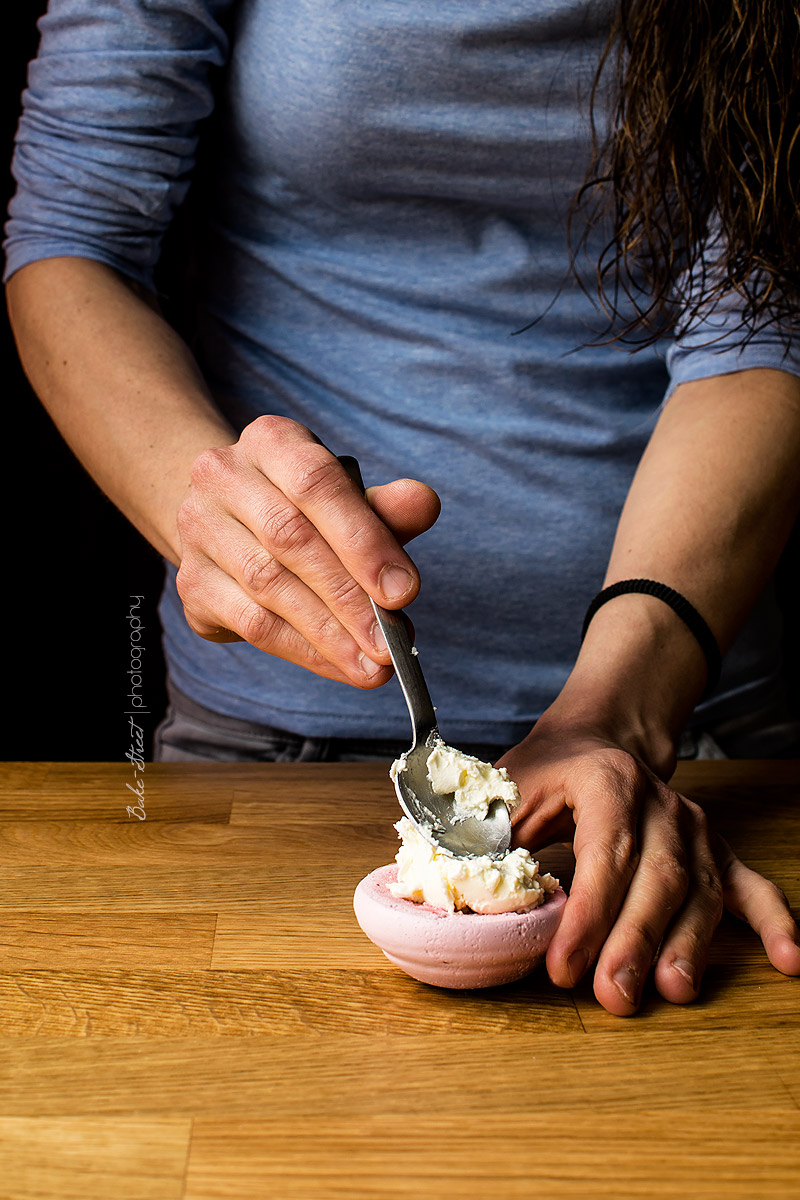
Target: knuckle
{"x":258,"y":626}
{"x":193,"y":516}
{"x":671,"y":804}
{"x":359,"y":537}
{"x":259,"y":570}
{"x":267,"y":428}
{"x":701,"y":824}
{"x":617,"y":764}
{"x":326,"y":630}
{"x":183,"y":582}
{"x":640,"y":939}
{"x":621,"y":852}
{"x":314,"y":476}
{"x":264,"y":425}
{"x":709,"y":887}
{"x":186,"y":518}
{"x":209,"y":467}
{"x":187,"y":578}
{"x":317,"y":662}
{"x":623,"y":778}
{"x":347,"y":594}
{"x":773,"y":892}
{"x":672,"y":874}
{"x":285,"y":530}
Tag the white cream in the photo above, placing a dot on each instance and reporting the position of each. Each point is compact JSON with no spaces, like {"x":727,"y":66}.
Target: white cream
{"x":427,"y":872}
{"x":474,"y":784}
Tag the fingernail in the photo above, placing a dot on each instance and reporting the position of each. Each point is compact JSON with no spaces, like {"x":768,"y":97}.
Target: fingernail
{"x":395,"y":582}
{"x":685,"y":969}
{"x":577,"y":963}
{"x":626,"y":982}
{"x":378,"y":640}
{"x":369,"y":667}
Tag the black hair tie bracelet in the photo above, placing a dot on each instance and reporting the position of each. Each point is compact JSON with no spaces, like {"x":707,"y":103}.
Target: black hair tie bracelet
{"x":679,"y":605}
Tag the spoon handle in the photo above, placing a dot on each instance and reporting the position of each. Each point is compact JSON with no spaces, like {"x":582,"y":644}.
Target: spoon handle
{"x":409,"y":673}
{"x":403,"y":655}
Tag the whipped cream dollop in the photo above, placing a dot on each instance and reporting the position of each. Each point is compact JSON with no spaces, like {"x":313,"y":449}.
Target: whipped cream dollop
{"x":474,"y":784}
{"x":429,"y":873}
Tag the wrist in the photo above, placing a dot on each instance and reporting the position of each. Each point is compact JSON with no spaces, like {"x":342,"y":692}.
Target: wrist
{"x":637,"y":678}
{"x":682,"y":608}
{"x":152,"y":497}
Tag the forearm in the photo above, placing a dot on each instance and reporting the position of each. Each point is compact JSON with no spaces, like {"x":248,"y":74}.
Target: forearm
{"x":120,"y":385}
{"x":708,"y":513}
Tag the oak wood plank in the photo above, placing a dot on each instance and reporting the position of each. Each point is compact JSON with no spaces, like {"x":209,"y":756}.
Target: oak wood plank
{"x":360,"y":786}
{"x":74,"y":1158}
{"x":722,"y":776}
{"x":322,"y":933}
{"x":569,"y":1153}
{"x":755,"y":805}
{"x":314,"y":1003}
{"x":71,"y":940}
{"x":462,"y":1075}
{"x":183,"y":843}
{"x":80,"y":791}
{"x":281,"y":889}
{"x":784,"y":1056}
{"x":22,"y":776}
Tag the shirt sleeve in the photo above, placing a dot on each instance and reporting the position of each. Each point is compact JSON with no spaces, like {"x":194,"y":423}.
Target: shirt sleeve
{"x":108,"y":132}
{"x":716,"y":341}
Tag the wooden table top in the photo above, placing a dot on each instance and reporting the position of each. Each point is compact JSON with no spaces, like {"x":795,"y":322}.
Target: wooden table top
{"x":190,"y":1011}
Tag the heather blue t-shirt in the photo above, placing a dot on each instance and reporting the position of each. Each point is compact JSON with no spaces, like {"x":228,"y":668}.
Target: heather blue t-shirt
{"x":383,"y":209}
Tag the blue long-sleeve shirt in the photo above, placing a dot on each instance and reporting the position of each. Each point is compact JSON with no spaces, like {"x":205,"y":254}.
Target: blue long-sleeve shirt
{"x":383,"y":207}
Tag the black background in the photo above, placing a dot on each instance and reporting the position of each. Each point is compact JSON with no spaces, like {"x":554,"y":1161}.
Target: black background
{"x":72,"y":562}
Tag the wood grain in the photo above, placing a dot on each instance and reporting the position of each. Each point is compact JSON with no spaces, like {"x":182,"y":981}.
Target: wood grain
{"x":70,"y":940}
{"x":190,"y":1011}
{"x":188,"y":844}
{"x":394,"y":1074}
{"x":705,"y":1156}
{"x":70,"y":1158}
{"x":98,"y":791}
{"x":102,"y":1003}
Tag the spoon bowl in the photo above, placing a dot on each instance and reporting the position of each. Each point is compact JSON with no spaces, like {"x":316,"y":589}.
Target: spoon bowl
{"x":490,"y":835}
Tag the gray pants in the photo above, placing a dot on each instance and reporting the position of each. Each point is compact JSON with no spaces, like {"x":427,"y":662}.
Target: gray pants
{"x":191,"y":733}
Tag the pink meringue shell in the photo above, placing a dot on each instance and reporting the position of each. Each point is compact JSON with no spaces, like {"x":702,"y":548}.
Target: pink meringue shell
{"x":454,"y":950}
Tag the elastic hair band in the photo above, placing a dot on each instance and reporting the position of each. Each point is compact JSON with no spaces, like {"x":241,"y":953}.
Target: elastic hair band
{"x":679,"y":605}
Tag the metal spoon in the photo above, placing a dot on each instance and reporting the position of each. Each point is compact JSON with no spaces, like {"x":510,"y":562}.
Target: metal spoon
{"x":425,"y":807}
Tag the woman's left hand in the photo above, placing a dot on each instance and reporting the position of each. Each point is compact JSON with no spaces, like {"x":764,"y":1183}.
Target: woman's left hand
{"x":651,"y":878}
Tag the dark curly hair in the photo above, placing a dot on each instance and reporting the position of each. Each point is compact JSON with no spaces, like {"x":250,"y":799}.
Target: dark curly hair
{"x":700,"y":129}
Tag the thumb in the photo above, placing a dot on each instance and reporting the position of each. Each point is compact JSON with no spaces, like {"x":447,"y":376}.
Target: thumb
{"x":542,"y":816}
{"x":407,"y":506}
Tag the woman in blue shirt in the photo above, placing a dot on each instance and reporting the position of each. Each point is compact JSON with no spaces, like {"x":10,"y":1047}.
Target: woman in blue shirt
{"x":385,"y":200}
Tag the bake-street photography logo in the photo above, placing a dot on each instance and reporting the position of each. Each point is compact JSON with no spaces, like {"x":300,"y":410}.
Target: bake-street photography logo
{"x":136,"y":708}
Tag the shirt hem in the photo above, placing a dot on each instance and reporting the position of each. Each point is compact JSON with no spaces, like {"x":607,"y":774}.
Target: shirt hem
{"x":19,"y":256}
{"x":319,"y":724}
{"x":753,"y":362}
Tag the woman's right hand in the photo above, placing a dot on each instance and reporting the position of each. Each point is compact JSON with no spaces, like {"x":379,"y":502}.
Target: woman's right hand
{"x":280,"y":549}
